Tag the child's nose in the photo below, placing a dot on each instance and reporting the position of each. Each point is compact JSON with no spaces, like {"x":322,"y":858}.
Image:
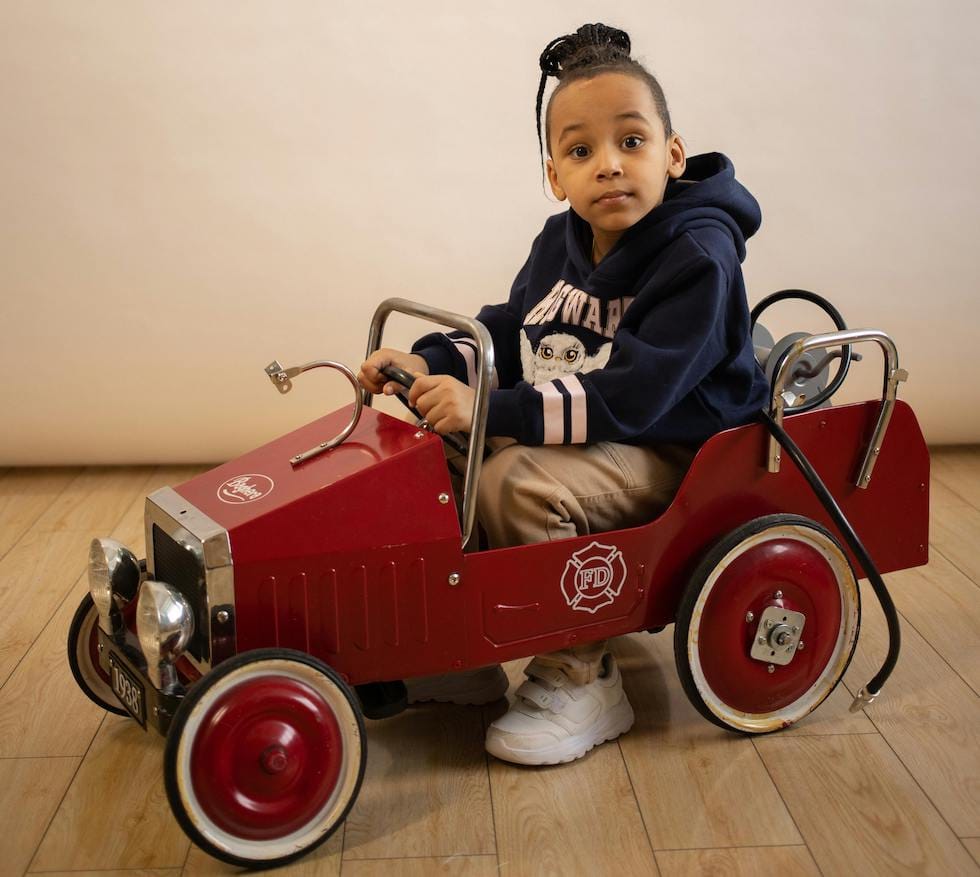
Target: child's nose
{"x":608,"y":164}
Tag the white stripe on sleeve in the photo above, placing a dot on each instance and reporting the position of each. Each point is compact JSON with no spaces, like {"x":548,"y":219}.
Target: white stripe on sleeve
{"x":579,"y":408}
{"x":553,"y":404}
{"x":467,"y":349}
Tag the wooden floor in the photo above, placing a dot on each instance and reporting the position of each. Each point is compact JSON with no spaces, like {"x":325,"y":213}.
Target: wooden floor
{"x":893,"y":791}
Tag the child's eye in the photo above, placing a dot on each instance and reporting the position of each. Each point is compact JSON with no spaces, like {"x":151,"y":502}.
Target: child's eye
{"x":579,"y":151}
{"x":633,"y":142}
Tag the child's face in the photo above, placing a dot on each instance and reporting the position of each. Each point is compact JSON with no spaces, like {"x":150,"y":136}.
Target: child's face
{"x":609,"y":154}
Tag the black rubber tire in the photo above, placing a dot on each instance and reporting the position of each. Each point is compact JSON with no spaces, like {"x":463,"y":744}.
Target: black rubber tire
{"x":183,"y":713}
{"x":80,"y":662}
{"x":693,"y":590}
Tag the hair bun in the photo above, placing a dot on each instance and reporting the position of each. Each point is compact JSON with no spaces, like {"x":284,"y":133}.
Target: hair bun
{"x":583,"y":47}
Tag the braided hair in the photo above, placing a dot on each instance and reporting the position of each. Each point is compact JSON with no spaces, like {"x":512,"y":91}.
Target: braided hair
{"x":593,"y":49}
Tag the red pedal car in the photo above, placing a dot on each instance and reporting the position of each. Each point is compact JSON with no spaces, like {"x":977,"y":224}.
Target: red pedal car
{"x":286,"y":593}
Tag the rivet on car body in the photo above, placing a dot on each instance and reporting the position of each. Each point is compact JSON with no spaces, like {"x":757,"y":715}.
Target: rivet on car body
{"x":453,"y":579}
{"x":223,"y":616}
{"x":750,"y":616}
{"x":443,"y":498}
{"x":771,"y":668}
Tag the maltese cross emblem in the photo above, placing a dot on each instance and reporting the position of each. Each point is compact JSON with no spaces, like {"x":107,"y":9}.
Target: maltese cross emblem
{"x":593,"y":577}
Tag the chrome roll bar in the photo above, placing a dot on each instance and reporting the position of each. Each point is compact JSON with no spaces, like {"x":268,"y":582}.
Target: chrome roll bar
{"x":893,"y":376}
{"x":484,"y":374}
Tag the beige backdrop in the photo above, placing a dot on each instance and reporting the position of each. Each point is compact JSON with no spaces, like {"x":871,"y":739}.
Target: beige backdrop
{"x":191,"y":190}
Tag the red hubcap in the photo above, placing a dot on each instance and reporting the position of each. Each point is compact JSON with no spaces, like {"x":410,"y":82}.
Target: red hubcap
{"x":267,"y":758}
{"x":808,"y":584}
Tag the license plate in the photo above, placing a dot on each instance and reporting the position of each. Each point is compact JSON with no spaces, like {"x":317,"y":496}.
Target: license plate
{"x":128,"y":689}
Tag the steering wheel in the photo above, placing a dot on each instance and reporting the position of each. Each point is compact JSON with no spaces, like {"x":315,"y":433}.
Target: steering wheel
{"x":845,"y":356}
{"x":455,"y":440}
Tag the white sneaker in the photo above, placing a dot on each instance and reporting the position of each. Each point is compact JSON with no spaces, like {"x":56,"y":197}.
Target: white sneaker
{"x":553,"y":720}
{"x":472,"y":687}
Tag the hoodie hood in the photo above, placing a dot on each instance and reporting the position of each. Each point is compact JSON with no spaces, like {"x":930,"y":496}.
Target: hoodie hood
{"x":707,"y":195}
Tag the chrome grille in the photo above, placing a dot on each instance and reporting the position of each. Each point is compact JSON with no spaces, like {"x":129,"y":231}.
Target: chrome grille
{"x":180,"y":567}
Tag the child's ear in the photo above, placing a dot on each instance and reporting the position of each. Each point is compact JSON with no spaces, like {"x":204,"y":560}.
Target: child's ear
{"x":677,"y":156}
{"x":553,"y":179}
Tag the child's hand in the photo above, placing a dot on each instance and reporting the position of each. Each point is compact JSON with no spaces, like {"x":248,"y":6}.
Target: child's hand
{"x":444,"y":401}
{"x":374,"y":381}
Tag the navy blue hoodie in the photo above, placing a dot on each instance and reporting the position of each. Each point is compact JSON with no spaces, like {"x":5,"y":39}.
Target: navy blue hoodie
{"x":651,"y":345}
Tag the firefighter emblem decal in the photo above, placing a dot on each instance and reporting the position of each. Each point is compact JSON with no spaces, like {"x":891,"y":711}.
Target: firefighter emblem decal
{"x":593,"y":577}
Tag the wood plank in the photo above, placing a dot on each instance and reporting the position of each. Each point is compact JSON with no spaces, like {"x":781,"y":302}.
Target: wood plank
{"x":929,"y":716}
{"x":858,"y":809}
{"x":37,"y":574}
{"x":569,"y":819}
{"x":324,"y":861}
{"x":973,"y":845}
{"x":115,"y":814}
{"x":698,"y":785}
{"x":42,"y":709}
{"x":30,"y":791}
{"x":425,"y":790}
{"x":95,"y":501}
{"x":25,"y":494}
{"x":943,"y":605}
{"x":43,"y":712}
{"x":141,"y":872}
{"x":959,"y":469}
{"x":741,"y":862}
{"x":954,"y":525}
{"x":453,"y":866}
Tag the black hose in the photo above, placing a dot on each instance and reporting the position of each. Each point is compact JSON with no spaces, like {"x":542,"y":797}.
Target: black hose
{"x":847,"y":531}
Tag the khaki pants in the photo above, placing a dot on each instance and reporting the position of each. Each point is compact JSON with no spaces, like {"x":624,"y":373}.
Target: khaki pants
{"x":543,"y":493}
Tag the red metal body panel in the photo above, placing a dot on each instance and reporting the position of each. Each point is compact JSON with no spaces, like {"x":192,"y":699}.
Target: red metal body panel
{"x":519,"y":608}
{"x":348,"y":557}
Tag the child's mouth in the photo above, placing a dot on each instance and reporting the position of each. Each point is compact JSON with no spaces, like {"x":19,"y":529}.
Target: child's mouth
{"x":613,"y":198}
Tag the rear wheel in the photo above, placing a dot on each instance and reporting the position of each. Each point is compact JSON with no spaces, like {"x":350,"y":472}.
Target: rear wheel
{"x":83,"y":658}
{"x":767,"y":625}
{"x":265,"y":757}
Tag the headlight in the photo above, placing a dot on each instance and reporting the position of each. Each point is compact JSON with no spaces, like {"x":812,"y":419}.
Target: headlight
{"x":112,"y":570}
{"x":164,"y":625}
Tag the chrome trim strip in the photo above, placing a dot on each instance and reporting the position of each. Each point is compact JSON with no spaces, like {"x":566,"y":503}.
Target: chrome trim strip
{"x":893,"y":376}
{"x":182,"y":521}
{"x":484,"y":378}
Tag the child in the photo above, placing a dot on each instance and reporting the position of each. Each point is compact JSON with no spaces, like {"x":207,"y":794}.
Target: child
{"x":624,"y":345}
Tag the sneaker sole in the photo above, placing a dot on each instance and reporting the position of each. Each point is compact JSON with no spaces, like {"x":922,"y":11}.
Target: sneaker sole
{"x":617,"y":721}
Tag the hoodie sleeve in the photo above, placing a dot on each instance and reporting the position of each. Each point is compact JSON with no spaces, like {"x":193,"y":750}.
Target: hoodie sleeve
{"x":455,"y":353}
{"x":672,"y":337}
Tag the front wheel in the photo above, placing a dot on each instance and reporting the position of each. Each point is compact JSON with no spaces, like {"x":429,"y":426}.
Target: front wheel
{"x":265,"y":757}
{"x":767,"y":625}
{"x":83,"y":658}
